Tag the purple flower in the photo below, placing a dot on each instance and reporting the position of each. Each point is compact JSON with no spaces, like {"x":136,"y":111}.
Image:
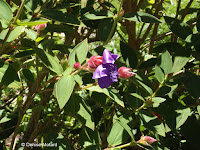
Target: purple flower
{"x":107,"y":72}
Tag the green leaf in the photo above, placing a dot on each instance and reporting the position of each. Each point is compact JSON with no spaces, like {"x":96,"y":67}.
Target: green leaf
{"x":89,"y":137}
{"x":198,"y":109}
{"x":192,"y":84}
{"x":32,"y":22}
{"x":13,"y":35}
{"x":61,"y":17}
{"x":28,"y":75}
{"x":138,"y":96}
{"x":78,"y":79}
{"x":178,"y":27}
{"x":190,"y":131}
{"x":78,"y":108}
{"x":24,"y":53}
{"x":157,"y":100}
{"x":128,"y":55}
{"x":165,"y":62}
{"x":141,"y":17}
{"x":148,"y":63}
{"x":94,"y":15}
{"x":159,"y":73}
{"x":104,"y":28}
{"x":124,"y":123}
{"x":177,"y":115}
{"x":181,"y":57}
{"x":169,"y":46}
{"x":151,"y":122}
{"x":118,"y":134}
{"x":63,"y":89}
{"x":59,"y":28}
{"x":143,"y":83}
{"x":112,"y":93}
{"x":198,"y":23}
{"x":6,"y":12}
{"x":31,"y":5}
{"x":50,"y":62}
{"x":31,"y":34}
{"x":53,"y":137}
{"x":80,"y":51}
{"x":8,"y":74}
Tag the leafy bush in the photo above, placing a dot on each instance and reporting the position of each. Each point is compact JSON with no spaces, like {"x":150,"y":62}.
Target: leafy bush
{"x":67,"y":82}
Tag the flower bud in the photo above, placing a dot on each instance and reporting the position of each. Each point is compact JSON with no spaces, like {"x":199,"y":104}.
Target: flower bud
{"x":40,"y":27}
{"x":146,"y":140}
{"x":124,"y":72}
{"x":94,"y":62}
{"x":77,"y":66}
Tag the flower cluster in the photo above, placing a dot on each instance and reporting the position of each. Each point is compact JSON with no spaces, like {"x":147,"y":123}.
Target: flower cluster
{"x":105,"y":70}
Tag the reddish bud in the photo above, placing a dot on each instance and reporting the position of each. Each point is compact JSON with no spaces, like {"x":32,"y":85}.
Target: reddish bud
{"x":40,"y":27}
{"x":94,"y":62}
{"x":124,"y":72}
{"x":77,"y":66}
{"x":146,"y":140}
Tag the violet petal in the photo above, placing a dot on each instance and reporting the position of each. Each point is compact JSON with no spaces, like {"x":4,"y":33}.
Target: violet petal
{"x":108,"y":57}
{"x":101,"y":71}
{"x":105,"y":82}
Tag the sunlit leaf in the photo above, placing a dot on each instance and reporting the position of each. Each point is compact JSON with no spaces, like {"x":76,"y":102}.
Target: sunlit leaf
{"x":63,"y":89}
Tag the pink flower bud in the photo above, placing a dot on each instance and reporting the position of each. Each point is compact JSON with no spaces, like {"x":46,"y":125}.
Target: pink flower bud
{"x":94,"y":62}
{"x":124,"y":72}
{"x":40,"y":27}
{"x":77,"y":66}
{"x":146,"y":140}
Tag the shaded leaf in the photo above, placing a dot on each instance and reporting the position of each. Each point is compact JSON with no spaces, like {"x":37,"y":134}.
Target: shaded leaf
{"x":152,"y":123}
{"x":192,"y":84}
{"x":24,"y":53}
{"x":28,"y":75}
{"x":141,"y":17}
{"x":89,"y":137}
{"x":7,"y":73}
{"x":95,"y":15}
{"x":104,"y":28}
{"x":78,"y":108}
{"x":61,"y":17}
{"x":177,"y":115}
{"x":183,"y":29}
{"x":112,"y":93}
{"x":118,"y":134}
{"x":128,"y":55}
{"x":50,"y":62}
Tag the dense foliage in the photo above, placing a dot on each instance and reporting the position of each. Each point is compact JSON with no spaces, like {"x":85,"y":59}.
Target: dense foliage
{"x":66,"y":80}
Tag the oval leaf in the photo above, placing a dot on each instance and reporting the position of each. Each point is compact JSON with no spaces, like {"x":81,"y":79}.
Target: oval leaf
{"x":6,"y":12}
{"x":63,"y":89}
